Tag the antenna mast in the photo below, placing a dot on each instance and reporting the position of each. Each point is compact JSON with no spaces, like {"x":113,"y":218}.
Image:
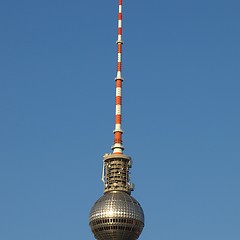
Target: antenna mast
{"x":118,"y":147}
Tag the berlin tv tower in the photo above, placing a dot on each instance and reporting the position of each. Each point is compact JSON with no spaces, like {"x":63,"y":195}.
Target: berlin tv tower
{"x":117,"y":215}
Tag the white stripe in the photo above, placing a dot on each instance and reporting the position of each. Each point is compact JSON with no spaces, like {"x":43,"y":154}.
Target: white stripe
{"x":118,"y":109}
{"x":118,"y":92}
{"x":117,"y":145}
{"x":119,"y":75}
{"x":119,"y":57}
{"x":117,"y":150}
{"x":119,"y":39}
{"x":119,"y":23}
{"x":120,"y":8}
{"x":118,"y":127}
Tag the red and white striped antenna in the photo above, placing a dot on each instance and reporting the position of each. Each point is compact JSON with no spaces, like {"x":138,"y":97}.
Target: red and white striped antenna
{"x":118,"y":147}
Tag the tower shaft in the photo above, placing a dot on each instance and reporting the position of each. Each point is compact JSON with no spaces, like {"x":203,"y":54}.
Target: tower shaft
{"x":117,"y":215}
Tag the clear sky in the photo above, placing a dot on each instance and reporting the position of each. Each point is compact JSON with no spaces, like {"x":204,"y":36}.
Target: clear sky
{"x":181,"y":106}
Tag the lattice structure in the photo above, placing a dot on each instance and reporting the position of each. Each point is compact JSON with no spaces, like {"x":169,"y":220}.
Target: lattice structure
{"x":117,"y":173}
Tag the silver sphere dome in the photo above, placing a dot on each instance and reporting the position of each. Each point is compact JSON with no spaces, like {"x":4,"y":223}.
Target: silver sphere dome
{"x":116,"y":216}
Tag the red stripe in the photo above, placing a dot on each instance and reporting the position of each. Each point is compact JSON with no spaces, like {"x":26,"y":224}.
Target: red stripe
{"x":119,"y":16}
{"x":118,"y":119}
{"x":119,"y":31}
{"x":119,"y":66}
{"x":118,"y":83}
{"x":118,"y":100}
{"x":119,"y":48}
{"x":117,"y":137}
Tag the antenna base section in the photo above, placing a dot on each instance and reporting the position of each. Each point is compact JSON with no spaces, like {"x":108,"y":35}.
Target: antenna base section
{"x":116,"y":173}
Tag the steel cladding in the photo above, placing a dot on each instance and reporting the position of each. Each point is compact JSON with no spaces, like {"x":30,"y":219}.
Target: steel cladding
{"x":116,"y":216}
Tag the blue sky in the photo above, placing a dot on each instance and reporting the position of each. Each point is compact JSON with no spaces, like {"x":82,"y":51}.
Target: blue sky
{"x":181,"y":97}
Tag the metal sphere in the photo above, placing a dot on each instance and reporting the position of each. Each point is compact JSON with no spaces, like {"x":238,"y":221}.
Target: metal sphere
{"x":116,"y":216}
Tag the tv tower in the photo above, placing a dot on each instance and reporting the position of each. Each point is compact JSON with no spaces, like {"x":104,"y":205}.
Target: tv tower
{"x":117,"y":215}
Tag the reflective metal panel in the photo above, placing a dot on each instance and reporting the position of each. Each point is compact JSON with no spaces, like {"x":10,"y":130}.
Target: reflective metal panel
{"x":116,"y":216}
